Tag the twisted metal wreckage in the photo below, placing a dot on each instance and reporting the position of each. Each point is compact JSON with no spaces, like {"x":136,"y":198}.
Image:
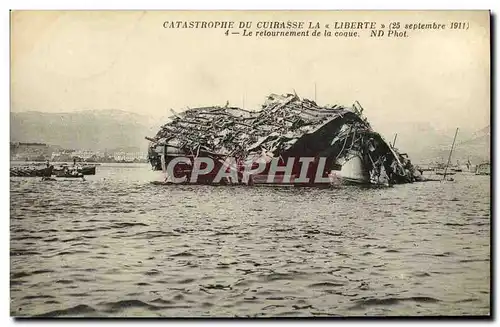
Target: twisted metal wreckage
{"x":339,"y":142}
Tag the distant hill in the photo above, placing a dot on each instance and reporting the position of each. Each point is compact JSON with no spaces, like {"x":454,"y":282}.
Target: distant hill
{"x":475,"y":147}
{"x":424,"y":143}
{"x":90,"y":129}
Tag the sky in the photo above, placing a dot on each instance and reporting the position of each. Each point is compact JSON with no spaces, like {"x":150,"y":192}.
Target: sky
{"x":64,"y":61}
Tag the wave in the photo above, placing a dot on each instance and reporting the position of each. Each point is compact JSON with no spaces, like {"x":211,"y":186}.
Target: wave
{"x":26,"y":274}
{"x":362,"y":304}
{"x":78,"y":310}
{"x":326,"y":284}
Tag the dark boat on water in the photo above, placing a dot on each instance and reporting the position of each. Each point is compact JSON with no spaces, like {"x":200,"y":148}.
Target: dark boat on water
{"x":61,"y":171}
{"x":87,"y":170}
{"x":84,"y":170}
{"x":68,"y":173}
{"x":31,"y":171}
{"x":442,"y":172}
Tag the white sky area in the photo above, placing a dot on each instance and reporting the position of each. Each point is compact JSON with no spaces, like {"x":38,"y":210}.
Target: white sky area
{"x":71,"y":61}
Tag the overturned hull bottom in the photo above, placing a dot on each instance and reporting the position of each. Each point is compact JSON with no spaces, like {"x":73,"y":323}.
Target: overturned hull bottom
{"x":353,"y":171}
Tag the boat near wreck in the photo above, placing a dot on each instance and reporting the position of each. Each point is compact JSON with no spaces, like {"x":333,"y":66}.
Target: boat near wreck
{"x":84,"y":170}
{"x":441,"y":169}
{"x":68,"y":173}
{"x":444,"y":171}
{"x":296,"y":141}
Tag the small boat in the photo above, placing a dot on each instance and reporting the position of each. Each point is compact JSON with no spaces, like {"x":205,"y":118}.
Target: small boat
{"x":87,"y":170}
{"x":68,"y":173}
{"x":84,"y":170}
{"x":441,"y":172}
{"x":31,"y":171}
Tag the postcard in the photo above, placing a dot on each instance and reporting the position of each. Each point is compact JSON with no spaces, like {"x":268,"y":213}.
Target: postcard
{"x":250,"y":163}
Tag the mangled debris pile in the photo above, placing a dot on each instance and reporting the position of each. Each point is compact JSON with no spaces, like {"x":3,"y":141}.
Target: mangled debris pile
{"x":232,"y":131}
{"x":216,"y":130}
{"x":286,"y":126}
{"x":286,"y":119}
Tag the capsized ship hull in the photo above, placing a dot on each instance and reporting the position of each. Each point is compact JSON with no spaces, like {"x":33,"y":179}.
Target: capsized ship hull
{"x":318,"y":145}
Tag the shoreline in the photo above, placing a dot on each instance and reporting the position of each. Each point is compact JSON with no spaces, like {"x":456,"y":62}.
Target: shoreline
{"x":40,"y":163}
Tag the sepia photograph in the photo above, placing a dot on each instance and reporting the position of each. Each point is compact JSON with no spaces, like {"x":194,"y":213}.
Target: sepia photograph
{"x":250,"y":163}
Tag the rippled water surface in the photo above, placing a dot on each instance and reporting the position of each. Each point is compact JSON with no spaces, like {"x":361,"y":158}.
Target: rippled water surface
{"x":117,"y":245}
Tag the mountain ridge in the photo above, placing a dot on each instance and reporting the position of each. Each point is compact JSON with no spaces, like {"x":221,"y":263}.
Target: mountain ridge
{"x":95,"y":130}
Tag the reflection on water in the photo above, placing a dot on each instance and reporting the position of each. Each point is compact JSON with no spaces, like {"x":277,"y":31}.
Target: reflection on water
{"x":117,"y":245}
